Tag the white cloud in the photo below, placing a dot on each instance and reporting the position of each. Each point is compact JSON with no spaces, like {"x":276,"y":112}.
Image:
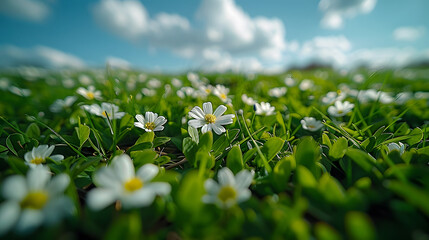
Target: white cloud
{"x":335,"y":11}
{"x":30,"y":10}
{"x":408,"y":33}
{"x":116,"y":62}
{"x":41,"y":56}
{"x":225,"y":30}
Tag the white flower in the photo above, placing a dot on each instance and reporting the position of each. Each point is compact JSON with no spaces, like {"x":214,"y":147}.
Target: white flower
{"x":340,"y":109}
{"x":421,"y":95}
{"x":403,"y":97}
{"x":90,"y":93}
{"x":34,"y":200}
{"x":176,"y":82}
{"x":38,"y":155}
{"x":277,"y":92}
{"x":22,"y":92}
{"x":222,"y":92}
{"x":289,"y":81}
{"x":154,"y":83}
{"x":208,"y":119}
{"x":264,"y":109}
{"x":60,"y":104}
{"x":150,"y":122}
{"x":119,"y":181}
{"x":109,"y":108}
{"x":4,"y":83}
{"x":68,"y":82}
{"x":148,"y":92}
{"x":248,"y":100}
{"x":311,"y":124}
{"x":230,"y":189}
{"x":331,"y":97}
{"x":85,"y":80}
{"x":205,"y":90}
{"x":358,"y":78}
{"x":186,"y":92}
{"x":306,"y":84}
{"x":396,"y":147}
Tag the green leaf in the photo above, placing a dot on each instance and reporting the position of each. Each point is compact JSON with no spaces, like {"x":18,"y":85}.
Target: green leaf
{"x":125,"y":227}
{"x":127,"y":121}
{"x":17,"y":164}
{"x":234,"y":160}
{"x":142,"y":157}
{"x":249,"y":154}
{"x":162,"y":160}
{"x":206,"y":141}
{"x":363,"y":159}
{"x":307,"y":154}
{"x":369,"y":144}
{"x":415,"y":136}
{"x":189,"y":149}
{"x":331,"y":189}
{"x":272,"y":147}
{"x":33,"y":131}
{"x":82,"y":164}
{"x":359,"y":226}
{"x":304,"y":177}
{"x":83,"y":132}
{"x":190,"y":192}
{"x":326,"y":141}
{"x":3,"y":148}
{"x":220,"y":144}
{"x":146,"y":137}
{"x":193,"y":132}
{"x":158,"y":141}
{"x":282,"y":172}
{"x":325,"y":232}
{"x":139,"y":147}
{"x":15,"y":141}
{"x":415,"y":196}
{"x":339,"y":148}
{"x":203,"y":159}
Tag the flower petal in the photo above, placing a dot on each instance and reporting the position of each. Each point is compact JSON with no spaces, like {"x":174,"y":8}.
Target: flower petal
{"x":100,"y":198}
{"x":243,"y":195}
{"x":15,"y":188}
{"x":38,"y":177}
{"x":140,"y":198}
{"x":58,"y":184}
{"x":243,"y":179}
{"x":207,"y":108}
{"x":160,"y":121}
{"x":147,"y":172}
{"x":226,"y":177}
{"x":196,"y":113}
{"x":140,"y":119}
{"x":57,"y":157}
{"x":48,"y":152}
{"x":123,"y":167}
{"x":29,"y":220}
{"x":219,"y":111}
{"x":211,"y":186}
{"x":226,"y":119}
{"x":139,"y":125}
{"x":105,"y":177}
{"x":9,"y":214}
{"x":159,"y":188}
{"x":218,"y":129}
{"x":196,"y":123}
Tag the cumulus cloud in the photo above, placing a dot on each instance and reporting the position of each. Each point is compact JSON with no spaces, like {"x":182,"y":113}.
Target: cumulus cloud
{"x":41,"y":56}
{"x":408,"y":33}
{"x":30,"y":10}
{"x":335,"y":11}
{"x":116,"y":62}
{"x":226,"y":30}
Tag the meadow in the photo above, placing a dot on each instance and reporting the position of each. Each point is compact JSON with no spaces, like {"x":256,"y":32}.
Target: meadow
{"x":307,"y":154}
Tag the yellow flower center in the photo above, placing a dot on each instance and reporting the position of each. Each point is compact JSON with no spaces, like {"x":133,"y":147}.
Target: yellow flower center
{"x":338,"y":92}
{"x":208,"y":90}
{"x":133,"y":184}
{"x":35,"y":200}
{"x":227,"y":193}
{"x":223,"y":96}
{"x":311,"y":126}
{"x":210,"y":118}
{"x":90,"y":95}
{"x":149,"y":125}
{"x":340,"y":111}
{"x":37,"y":160}
{"x":105,"y":114}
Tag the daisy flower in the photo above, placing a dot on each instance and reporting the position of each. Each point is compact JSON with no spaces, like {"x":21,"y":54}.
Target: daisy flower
{"x":38,"y":155}
{"x":396,"y":147}
{"x":264,"y":109}
{"x":90,"y":93}
{"x":150,"y":122}
{"x":34,"y":200}
{"x":60,"y":104}
{"x":277,"y":92}
{"x":22,"y":92}
{"x":222,"y":92}
{"x":120,"y":181}
{"x":311,"y":124}
{"x":230,"y":190}
{"x":306,"y":84}
{"x":289,"y":81}
{"x":340,"y":109}
{"x":208,"y":120}
{"x":331,"y":97}
{"x":111,"y":109}
{"x":248,"y":100}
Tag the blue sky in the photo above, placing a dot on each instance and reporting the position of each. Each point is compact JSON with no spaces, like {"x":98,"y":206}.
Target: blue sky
{"x":213,"y":35}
